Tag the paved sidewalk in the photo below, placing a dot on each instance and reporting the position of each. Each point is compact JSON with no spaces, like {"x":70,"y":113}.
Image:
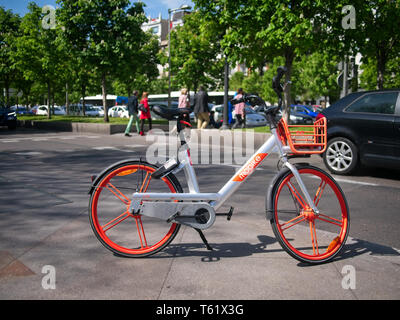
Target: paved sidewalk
{"x":247,"y":263}
{"x":44,"y":222}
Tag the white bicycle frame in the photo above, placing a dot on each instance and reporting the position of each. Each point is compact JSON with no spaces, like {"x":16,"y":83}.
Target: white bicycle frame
{"x":216,"y":200}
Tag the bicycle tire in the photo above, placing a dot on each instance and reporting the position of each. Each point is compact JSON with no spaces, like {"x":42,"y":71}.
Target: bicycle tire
{"x":105,"y":210}
{"x":295,"y":224}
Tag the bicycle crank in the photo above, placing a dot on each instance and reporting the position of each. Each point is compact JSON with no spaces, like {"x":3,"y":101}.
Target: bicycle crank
{"x":198,"y":215}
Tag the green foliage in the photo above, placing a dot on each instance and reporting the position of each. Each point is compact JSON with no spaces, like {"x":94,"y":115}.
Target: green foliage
{"x":195,"y":54}
{"x":315,"y":76}
{"x":107,"y":36}
{"x":236,"y":81}
{"x":9,"y":23}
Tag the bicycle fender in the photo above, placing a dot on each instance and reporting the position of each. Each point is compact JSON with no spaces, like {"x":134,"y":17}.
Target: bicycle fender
{"x":269,"y":210}
{"x":102,"y":173}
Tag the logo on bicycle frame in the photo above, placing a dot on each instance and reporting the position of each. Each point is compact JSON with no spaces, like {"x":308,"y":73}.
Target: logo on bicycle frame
{"x":248,"y":169}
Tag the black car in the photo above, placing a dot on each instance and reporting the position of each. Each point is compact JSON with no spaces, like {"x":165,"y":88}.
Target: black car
{"x":363,"y":129}
{"x":8,"y":118}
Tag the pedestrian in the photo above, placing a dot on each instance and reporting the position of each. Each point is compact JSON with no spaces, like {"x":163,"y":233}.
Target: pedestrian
{"x":201,"y":109}
{"x":240,"y":112}
{"x":133,"y":113}
{"x":144,"y":113}
{"x":184,"y":102}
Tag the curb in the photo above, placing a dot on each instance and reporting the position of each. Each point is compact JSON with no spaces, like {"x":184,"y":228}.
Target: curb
{"x":79,"y":127}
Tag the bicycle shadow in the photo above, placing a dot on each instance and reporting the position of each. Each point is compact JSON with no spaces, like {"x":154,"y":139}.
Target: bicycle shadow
{"x":221,"y":250}
{"x":358,"y":247}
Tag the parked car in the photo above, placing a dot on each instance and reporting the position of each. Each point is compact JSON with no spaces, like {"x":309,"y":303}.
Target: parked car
{"x":253,"y":119}
{"x":21,"y":110}
{"x":94,"y":111}
{"x":363,"y":129}
{"x":118,"y":111}
{"x":42,"y":110}
{"x":8,"y":118}
{"x":295,"y":117}
{"x":303,"y":110}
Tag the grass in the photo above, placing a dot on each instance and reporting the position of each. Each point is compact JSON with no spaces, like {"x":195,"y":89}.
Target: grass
{"x":264,"y":129}
{"x":112,"y":120}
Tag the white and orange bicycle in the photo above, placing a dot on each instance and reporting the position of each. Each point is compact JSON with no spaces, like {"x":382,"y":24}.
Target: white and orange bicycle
{"x":136,"y":208}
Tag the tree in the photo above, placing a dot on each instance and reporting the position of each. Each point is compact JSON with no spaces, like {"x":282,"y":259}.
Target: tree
{"x":374,"y":33}
{"x":36,"y":51}
{"x":316,"y":75}
{"x":109,"y":33}
{"x":9,"y":32}
{"x":196,"y":53}
{"x":282,"y":28}
{"x":138,"y":74}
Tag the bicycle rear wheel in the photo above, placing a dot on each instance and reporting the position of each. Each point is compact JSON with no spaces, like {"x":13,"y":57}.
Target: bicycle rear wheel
{"x":124,"y":233}
{"x":307,"y":236}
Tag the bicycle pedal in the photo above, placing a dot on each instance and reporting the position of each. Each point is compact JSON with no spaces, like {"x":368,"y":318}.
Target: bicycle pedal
{"x":228,"y":215}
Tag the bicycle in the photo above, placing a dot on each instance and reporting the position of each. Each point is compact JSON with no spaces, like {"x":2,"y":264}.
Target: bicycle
{"x":307,"y":209}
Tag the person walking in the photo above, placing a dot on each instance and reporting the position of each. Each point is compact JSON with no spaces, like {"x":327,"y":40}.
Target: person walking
{"x":144,"y":113}
{"x":240,"y":112}
{"x":133,"y":113}
{"x":201,"y":109}
{"x":183,"y":102}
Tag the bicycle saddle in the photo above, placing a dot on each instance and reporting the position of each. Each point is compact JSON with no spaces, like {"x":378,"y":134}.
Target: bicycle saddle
{"x":170,"y":114}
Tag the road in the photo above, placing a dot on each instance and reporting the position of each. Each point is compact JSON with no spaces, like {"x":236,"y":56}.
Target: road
{"x":44,"y":180}
{"x":373,"y":195}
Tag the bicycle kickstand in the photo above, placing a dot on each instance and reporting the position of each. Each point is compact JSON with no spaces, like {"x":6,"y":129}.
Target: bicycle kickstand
{"x":204,"y":239}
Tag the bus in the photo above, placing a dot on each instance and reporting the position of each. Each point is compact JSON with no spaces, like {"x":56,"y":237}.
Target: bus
{"x":215,"y":97}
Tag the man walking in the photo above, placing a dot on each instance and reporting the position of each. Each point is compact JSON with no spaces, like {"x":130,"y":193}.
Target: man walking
{"x":201,"y":109}
{"x":133,"y":113}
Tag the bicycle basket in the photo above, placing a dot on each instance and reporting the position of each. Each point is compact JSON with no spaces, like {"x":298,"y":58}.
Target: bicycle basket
{"x":304,"y":139}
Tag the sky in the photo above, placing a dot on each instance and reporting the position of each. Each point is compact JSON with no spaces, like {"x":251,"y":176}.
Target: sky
{"x":153,"y":7}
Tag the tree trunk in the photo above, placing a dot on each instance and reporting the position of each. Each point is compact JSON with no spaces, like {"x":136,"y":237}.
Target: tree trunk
{"x":7,"y":87}
{"x":83,"y":100}
{"x":104,"y":91}
{"x":52,"y":102}
{"x":48,"y":100}
{"x":289,"y":57}
{"x":381,"y":58}
{"x":67,"y":98}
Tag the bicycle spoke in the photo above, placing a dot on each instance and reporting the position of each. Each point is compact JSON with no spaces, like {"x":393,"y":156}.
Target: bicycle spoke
{"x":330,"y":220}
{"x":118,"y":193}
{"x":297,"y":195}
{"x":314,"y":238}
{"x":117,"y":220}
{"x":319,"y":192}
{"x":140,"y":230}
{"x":302,"y":218}
{"x":145,"y":183}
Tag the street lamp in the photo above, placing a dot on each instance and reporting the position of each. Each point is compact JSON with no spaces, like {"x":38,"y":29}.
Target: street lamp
{"x":181,"y":8}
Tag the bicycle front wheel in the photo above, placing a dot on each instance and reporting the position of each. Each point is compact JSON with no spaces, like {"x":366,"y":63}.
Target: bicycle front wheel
{"x":308,"y":236}
{"x":124,"y":233}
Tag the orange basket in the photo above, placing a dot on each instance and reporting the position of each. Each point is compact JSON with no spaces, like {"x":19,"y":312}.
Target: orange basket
{"x":304,"y":139}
